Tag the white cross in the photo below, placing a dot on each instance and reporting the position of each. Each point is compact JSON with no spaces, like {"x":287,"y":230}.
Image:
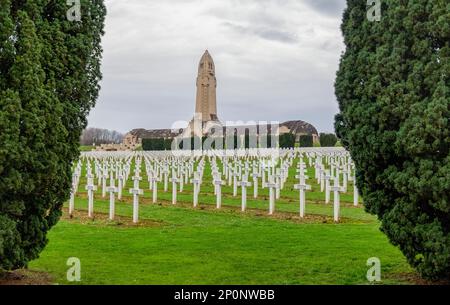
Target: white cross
{"x":215,"y":175}
{"x":136,"y":192}
{"x":301,"y":177}
{"x":322,"y":178}
{"x":284,"y":175}
{"x":150,"y":180}
{"x":302,"y":187}
{"x":116,"y":170}
{"x":104,"y":177}
{"x":186,"y":175}
{"x":327,"y":186}
{"x":229,"y":175}
{"x":97,"y":172}
{"x":349,"y":169}
{"x":154,"y":181}
{"x":355,"y":193}
{"x":278,"y":182}
{"x":136,"y":180}
{"x":200,"y":177}
{"x":174,"y":181}
{"x":196,"y":183}
{"x":119,"y":189}
{"x":181,"y":182}
{"x":235,"y":185}
{"x":72,"y":200}
{"x":301,"y":174}
{"x":263,"y":174}
{"x":272,"y":186}
{"x":317,"y":168}
{"x":344,"y":176}
{"x":225,"y":169}
{"x":111,"y":189}
{"x":336,"y":189}
{"x":255,"y":184}
{"x":244,"y":184}
{"x":166,"y":178}
{"x":90,"y":187}
{"x":75,"y":181}
{"x":219,"y":184}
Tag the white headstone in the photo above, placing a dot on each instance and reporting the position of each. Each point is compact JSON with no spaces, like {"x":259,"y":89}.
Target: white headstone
{"x":244,"y":184}
{"x":111,"y":189}
{"x":136,"y":192}
{"x":219,"y":184}
{"x":302,"y":187}
{"x":336,"y":189}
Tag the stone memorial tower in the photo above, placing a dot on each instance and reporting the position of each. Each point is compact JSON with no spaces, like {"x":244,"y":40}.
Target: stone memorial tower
{"x":206,"y":89}
{"x":205,"y":104}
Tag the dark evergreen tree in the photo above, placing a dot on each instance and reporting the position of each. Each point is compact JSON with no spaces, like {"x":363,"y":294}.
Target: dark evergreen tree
{"x":394,"y":97}
{"x":168,"y":143}
{"x":306,"y":141}
{"x":49,"y":74}
{"x":287,"y":140}
{"x":328,"y":140}
{"x":157,"y":144}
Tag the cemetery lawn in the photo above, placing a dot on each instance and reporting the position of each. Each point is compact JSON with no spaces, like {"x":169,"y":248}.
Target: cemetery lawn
{"x":182,"y":245}
{"x":86,"y":148}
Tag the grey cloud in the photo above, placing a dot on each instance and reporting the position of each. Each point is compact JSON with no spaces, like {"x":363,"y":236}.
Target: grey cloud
{"x":272,"y":34}
{"x":257,"y":13}
{"x":328,"y":7}
{"x":263,"y":32}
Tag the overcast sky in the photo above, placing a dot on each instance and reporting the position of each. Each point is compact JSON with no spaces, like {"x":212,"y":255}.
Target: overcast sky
{"x":276,"y":60}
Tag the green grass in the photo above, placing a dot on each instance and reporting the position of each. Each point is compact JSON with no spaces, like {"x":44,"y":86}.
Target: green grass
{"x":208,"y":246}
{"x":204,"y":247}
{"x":86,"y":147}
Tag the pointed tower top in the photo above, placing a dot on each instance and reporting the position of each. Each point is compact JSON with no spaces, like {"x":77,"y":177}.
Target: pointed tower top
{"x":206,"y":57}
{"x":206,"y":64}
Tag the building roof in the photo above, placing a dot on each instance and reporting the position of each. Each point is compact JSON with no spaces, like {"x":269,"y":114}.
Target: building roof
{"x":155,"y":133}
{"x":299,"y":127}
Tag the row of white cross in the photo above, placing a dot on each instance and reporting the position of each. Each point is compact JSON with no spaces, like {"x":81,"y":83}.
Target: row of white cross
{"x":234,"y":171}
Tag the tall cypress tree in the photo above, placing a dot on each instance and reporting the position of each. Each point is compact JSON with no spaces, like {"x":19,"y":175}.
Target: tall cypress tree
{"x":393,"y":93}
{"x":50,"y":69}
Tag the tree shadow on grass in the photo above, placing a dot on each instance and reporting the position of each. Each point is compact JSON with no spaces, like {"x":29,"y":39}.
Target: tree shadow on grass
{"x":25,"y":277}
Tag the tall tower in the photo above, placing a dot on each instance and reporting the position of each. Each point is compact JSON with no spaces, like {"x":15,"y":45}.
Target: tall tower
{"x":206,"y":89}
{"x":205,"y":118}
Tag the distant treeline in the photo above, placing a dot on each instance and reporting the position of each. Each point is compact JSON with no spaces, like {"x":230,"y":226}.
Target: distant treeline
{"x":328,"y":140}
{"x":100,"y":136}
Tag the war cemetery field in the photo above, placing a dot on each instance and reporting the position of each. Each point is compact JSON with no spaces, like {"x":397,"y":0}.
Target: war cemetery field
{"x":182,"y":244}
